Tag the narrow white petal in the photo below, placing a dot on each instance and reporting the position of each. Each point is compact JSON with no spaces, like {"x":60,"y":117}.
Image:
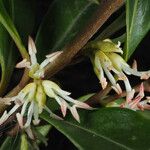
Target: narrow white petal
{"x":115,"y":85}
{"x":20,"y":120}
{"x":62,"y":92}
{"x":44,"y":63}
{"x":24,"y":107}
{"x":54,"y":55}
{"x":32,"y":51}
{"x":74,"y":113}
{"x":82,"y":105}
{"x":36,"y":120}
{"x":101,"y":72}
{"x":130,"y":95}
{"x":127,"y":84}
{"x":117,"y":88}
{"x":4,"y":117}
{"x":50,"y":58}
{"x":64,"y":106}
{"x":142,"y":74}
{"x":24,"y":63}
{"x":29,"y":115}
{"x":13,"y":109}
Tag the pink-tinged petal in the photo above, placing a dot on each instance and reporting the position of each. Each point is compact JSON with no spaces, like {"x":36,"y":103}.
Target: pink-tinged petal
{"x":141,"y":92}
{"x":31,"y":46}
{"x":134,"y":65}
{"x":32,"y":51}
{"x":145,"y":76}
{"x":50,"y":58}
{"x":74,"y":113}
{"x":135,"y":102}
{"x":130,"y":95}
{"x":64,"y":107}
{"x":103,"y":83}
{"x":82,"y":105}
{"x":141,"y":107}
{"x":54,"y":55}
{"x":20,"y":120}
{"x":24,"y":63}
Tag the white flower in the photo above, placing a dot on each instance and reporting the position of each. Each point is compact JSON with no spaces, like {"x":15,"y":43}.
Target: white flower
{"x":108,"y":61}
{"x":32,"y":98}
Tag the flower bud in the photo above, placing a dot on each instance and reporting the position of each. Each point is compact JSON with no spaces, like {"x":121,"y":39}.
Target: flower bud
{"x":49,"y":86}
{"x":40,"y":97}
{"x":117,"y":61}
{"x":29,"y":90}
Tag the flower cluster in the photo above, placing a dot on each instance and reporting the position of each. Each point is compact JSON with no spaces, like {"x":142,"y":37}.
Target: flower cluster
{"x":32,"y":98}
{"x":107,"y":60}
{"x":137,"y":103}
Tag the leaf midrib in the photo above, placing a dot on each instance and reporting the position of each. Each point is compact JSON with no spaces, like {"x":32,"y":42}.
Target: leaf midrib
{"x":70,"y":26}
{"x":99,"y":135}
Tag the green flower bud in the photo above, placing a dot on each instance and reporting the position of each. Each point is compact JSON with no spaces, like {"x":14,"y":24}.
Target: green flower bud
{"x":106,"y":46}
{"x":29,"y":90}
{"x":40,"y":97}
{"x":49,"y":86}
{"x":117,"y":61}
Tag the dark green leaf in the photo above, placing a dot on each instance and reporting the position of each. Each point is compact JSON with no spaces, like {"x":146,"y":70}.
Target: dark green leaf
{"x":138,"y":24}
{"x":107,"y":128}
{"x":21,"y":14}
{"x":12,"y":143}
{"x":63,"y":21}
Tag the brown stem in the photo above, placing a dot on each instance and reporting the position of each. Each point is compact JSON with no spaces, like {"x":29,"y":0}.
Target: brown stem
{"x":24,"y":80}
{"x":105,"y":10}
{"x":94,"y":100}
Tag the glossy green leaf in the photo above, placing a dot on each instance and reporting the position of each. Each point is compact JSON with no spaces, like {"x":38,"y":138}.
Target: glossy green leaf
{"x":137,"y":22}
{"x":44,"y":129}
{"x":8,"y":24}
{"x":11,"y":143}
{"x":13,"y":13}
{"x":63,"y":21}
{"x":107,"y":128}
